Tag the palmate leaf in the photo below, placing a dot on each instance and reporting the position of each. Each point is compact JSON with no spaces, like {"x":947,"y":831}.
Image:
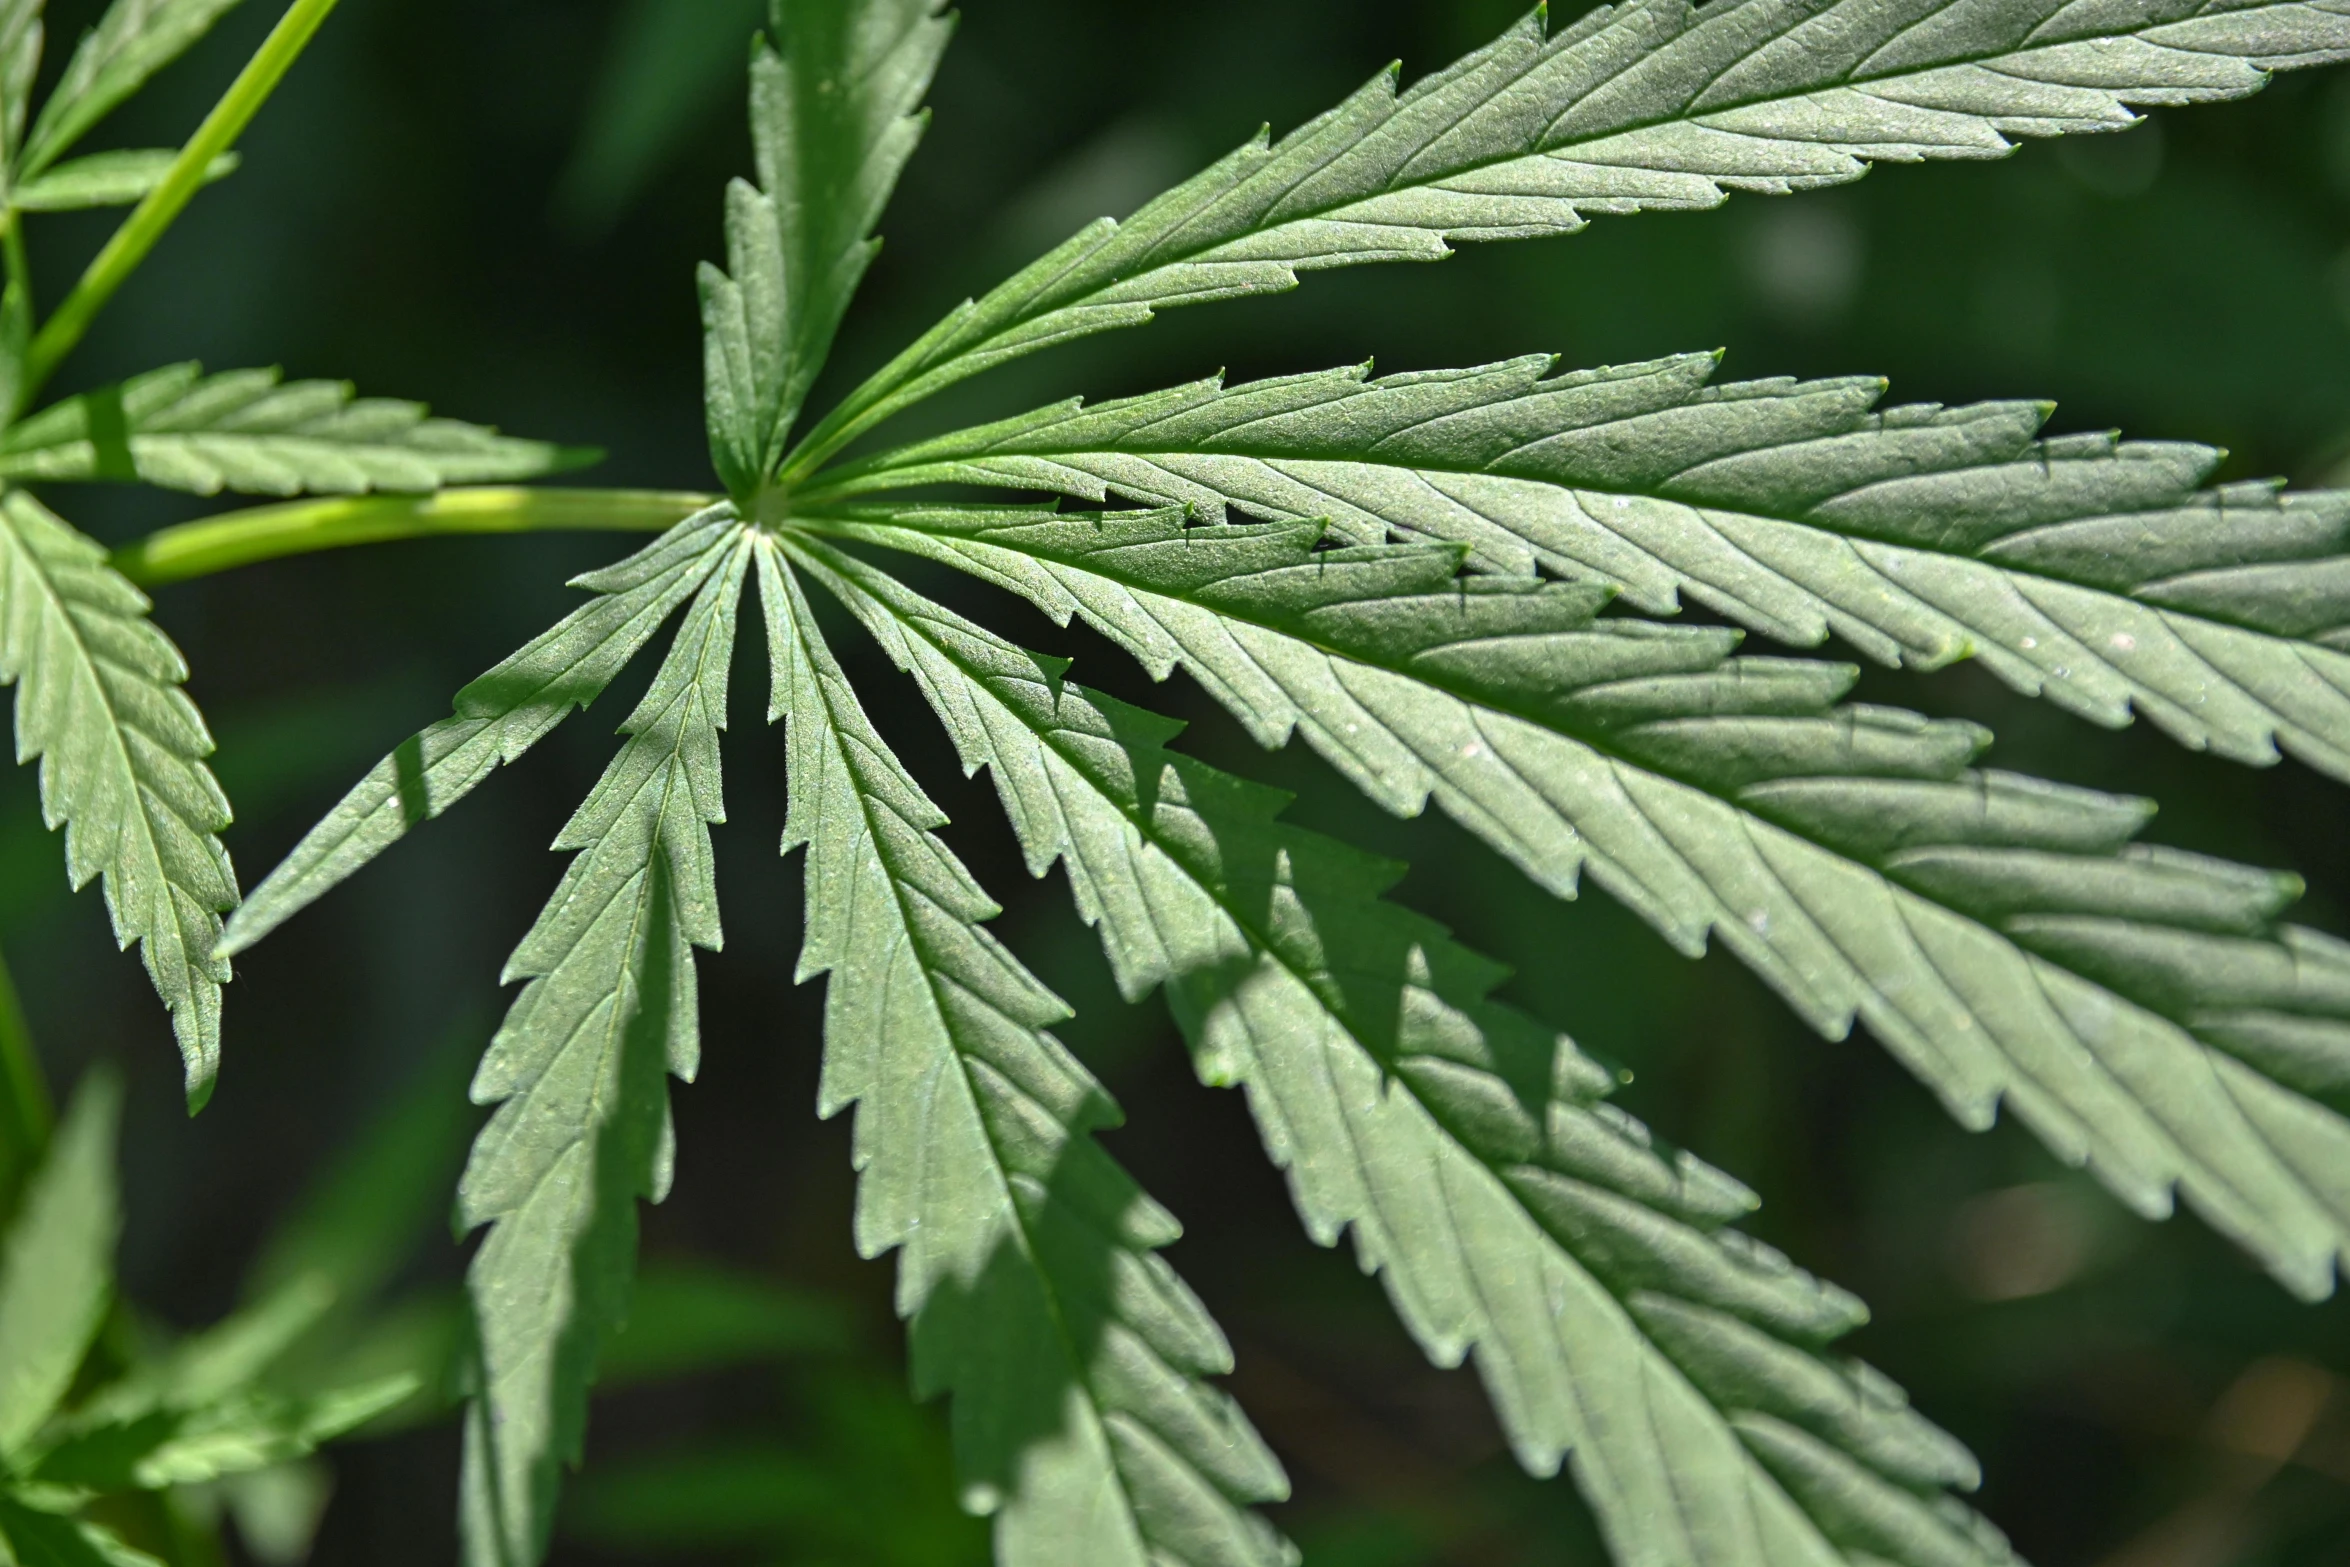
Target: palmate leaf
{"x":1656,"y":104}
{"x":833,"y":121}
{"x":582,"y":1128}
{"x":2097,"y":573}
{"x":2139,"y":1008}
{"x":246,"y":430}
{"x":1679,"y":1367}
{"x":1026,"y":1258}
{"x":132,"y":41}
{"x":498,"y":717}
{"x":209,"y":1367}
{"x":122,"y":753}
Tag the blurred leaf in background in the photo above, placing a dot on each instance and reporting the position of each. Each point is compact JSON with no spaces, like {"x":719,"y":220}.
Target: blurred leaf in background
{"x":667,"y":72}
{"x":83,"y":1422}
{"x":868,"y":1481}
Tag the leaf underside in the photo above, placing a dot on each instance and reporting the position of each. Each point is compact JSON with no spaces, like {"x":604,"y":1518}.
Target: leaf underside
{"x":1656,"y":105}
{"x":1026,"y":1257}
{"x":122,"y":753}
{"x":2096,"y":572}
{"x":498,"y":717}
{"x":201,"y":1410}
{"x":246,"y":430}
{"x":577,"y":1072}
{"x":1680,"y":1368}
{"x":2141,"y":1009}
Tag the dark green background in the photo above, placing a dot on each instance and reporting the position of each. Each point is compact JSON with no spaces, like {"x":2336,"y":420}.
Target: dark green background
{"x":397,"y":221}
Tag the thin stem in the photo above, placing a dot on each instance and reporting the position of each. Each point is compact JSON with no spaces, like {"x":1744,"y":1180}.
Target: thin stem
{"x":188,"y":174}
{"x":242,"y":538}
{"x":25,"y":1112}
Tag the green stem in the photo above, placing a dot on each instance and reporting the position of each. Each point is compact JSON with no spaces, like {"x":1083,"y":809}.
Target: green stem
{"x":242,"y":538}
{"x":165,"y":202}
{"x":25,"y":1112}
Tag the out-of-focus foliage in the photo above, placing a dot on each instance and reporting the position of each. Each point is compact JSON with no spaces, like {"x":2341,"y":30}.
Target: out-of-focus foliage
{"x":83,"y":1421}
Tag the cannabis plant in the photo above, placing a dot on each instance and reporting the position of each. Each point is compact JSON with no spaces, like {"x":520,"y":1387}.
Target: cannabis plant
{"x":1456,"y":585}
{"x":198,"y":1414}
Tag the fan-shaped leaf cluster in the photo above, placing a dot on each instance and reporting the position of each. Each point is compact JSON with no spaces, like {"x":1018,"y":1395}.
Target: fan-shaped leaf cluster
{"x":1427,"y":576}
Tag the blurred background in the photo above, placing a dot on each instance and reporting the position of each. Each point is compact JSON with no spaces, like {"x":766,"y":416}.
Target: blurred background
{"x":496,"y":205}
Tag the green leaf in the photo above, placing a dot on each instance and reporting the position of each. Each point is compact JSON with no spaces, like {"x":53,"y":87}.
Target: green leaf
{"x":107,"y":179}
{"x":44,"y":1539}
{"x":57,"y":1275}
{"x":247,"y":431}
{"x":1614,"y":1317}
{"x":2095,"y":572}
{"x":498,"y":717}
{"x":2140,"y":1009}
{"x":213,"y":1366}
{"x":122,"y":762}
{"x":833,"y":121}
{"x":20,"y":62}
{"x":132,"y":41}
{"x":242,"y":1432}
{"x":1026,"y":1266}
{"x":582,"y":1128}
{"x":1656,"y":104}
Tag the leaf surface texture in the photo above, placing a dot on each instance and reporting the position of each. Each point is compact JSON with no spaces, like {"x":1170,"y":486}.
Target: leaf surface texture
{"x":2098,"y":573}
{"x":1653,"y":105}
{"x":122,"y":751}
{"x":1617,"y":1323}
{"x":1026,"y":1257}
{"x":248,"y":431}
{"x":498,"y":717}
{"x":2141,"y":1009}
{"x":578,"y":1074}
